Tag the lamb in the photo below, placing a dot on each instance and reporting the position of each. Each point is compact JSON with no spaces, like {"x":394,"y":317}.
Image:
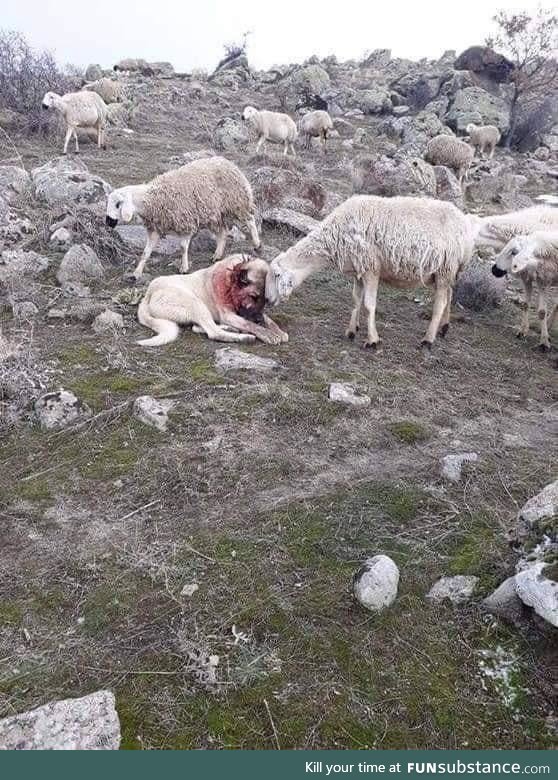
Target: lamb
{"x":208,"y":193}
{"x":108,"y":89}
{"x":495,"y":231}
{"x":272,"y":126}
{"x":402,"y":241}
{"x":79,"y":109}
{"x":315,"y":124}
{"x":534,"y":259}
{"x":451,"y":152}
{"x":484,"y":138}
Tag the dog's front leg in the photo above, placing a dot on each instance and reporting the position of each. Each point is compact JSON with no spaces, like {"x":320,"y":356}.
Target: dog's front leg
{"x":245,"y":326}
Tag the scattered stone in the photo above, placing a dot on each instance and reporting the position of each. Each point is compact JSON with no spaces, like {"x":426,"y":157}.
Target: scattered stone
{"x":59,"y":409}
{"x":65,"y":181}
{"x":453,"y":464}
{"x":13,"y":182}
{"x":230,"y":359}
{"x":457,"y":589}
{"x":15,"y":263}
{"x":88,"y":723}
{"x":344,"y":393}
{"x":231,"y":134}
{"x":108,"y":321}
{"x":61,"y":237}
{"x":24,"y":310}
{"x":541,"y":507}
{"x":375,"y":583}
{"x":504,"y":601}
{"x":189,"y":589}
{"x":80,"y":264}
{"x":135,"y":237}
{"x":152,"y":412}
{"x":300,"y":224}
{"x":539,"y":592}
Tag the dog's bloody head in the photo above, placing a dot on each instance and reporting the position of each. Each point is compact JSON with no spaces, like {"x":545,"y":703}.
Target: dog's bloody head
{"x":248,"y":289}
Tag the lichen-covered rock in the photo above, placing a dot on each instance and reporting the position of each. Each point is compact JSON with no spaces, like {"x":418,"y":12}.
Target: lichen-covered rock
{"x":60,"y":408}
{"x":457,"y":589}
{"x":389,"y":176}
{"x":231,"y":134}
{"x":344,"y":393}
{"x":66,"y":181}
{"x":108,"y":321}
{"x":447,"y":186}
{"x":152,"y":412}
{"x":14,"y":180}
{"x":15,"y":263}
{"x":476,"y":105}
{"x":452,"y":465}
{"x":93,"y":72}
{"x":375,"y":100}
{"x":539,"y":592}
{"x":504,"y":601}
{"x":539,"y":508}
{"x":61,"y":237}
{"x":230,"y":359}
{"x":79,"y":265}
{"x":485,"y":61}
{"x":375,"y":583}
{"x":88,"y":723}
{"x":299,"y":224}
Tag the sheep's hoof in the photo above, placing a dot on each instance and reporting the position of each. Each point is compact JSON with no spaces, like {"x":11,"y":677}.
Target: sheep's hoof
{"x":426,"y":345}
{"x":520,"y":335}
{"x":444,"y":330}
{"x":350,"y":334}
{"x":375,"y":346}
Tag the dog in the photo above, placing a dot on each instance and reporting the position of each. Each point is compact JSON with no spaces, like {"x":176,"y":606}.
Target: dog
{"x":224,"y":301}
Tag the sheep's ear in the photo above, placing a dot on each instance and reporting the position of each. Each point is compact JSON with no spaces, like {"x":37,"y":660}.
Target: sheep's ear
{"x":127,"y":209}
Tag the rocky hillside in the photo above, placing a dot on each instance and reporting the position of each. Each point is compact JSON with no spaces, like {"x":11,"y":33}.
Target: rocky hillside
{"x":182,"y":526}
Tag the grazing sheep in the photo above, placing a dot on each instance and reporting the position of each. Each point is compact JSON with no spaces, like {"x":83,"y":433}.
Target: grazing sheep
{"x":79,"y":109}
{"x":108,"y":89}
{"x":402,"y":241}
{"x":315,"y":124}
{"x":272,"y":126}
{"x":484,"y":138}
{"x":229,"y":294}
{"x":534,"y":259}
{"x":208,"y":193}
{"x":451,"y":152}
{"x":495,"y":231}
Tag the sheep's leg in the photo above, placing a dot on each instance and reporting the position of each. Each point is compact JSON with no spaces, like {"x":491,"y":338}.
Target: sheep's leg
{"x":184,"y":266}
{"x":254,"y":235}
{"x":221,"y":245}
{"x":293,"y":150}
{"x":76,"y":140}
{"x":542,"y":312}
{"x":354,"y":324}
{"x":69,"y":133}
{"x":370,"y":286}
{"x":524,"y":325}
{"x":438,"y":310}
{"x":152,"y":241}
{"x":285,"y":148}
{"x":444,"y":327}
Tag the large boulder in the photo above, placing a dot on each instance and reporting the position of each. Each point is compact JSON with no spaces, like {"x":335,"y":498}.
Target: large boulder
{"x":476,"y":105}
{"x":418,"y":87}
{"x":539,"y":510}
{"x":80,"y":265}
{"x":389,"y":176}
{"x":93,"y":72}
{"x":14,"y":181}
{"x":485,"y":61}
{"x":231,"y":135}
{"x":538,"y":591}
{"x":16,"y":263}
{"x":59,"y":409}
{"x":304,"y":83}
{"x":66,"y":181}
{"x":376,"y":100}
{"x":89,"y":723}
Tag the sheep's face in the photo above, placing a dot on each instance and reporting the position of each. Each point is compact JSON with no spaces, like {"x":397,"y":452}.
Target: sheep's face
{"x":506,"y":260}
{"x":279,"y":283}
{"x":48,"y":100}
{"x":120,"y":207}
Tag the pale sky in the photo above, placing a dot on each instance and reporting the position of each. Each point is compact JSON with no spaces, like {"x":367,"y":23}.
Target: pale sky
{"x":192,"y":34}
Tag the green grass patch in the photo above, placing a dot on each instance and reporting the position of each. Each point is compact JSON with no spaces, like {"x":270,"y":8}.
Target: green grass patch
{"x":408,"y":431}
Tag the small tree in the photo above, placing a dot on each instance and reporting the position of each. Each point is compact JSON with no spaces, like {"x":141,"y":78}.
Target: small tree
{"x":530,"y":41}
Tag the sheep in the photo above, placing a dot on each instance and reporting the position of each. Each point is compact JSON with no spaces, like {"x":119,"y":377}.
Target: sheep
{"x":483,"y":138}
{"x":451,"y":152}
{"x":79,"y":109}
{"x":208,"y":193}
{"x":534,"y":259}
{"x":108,"y":89}
{"x":315,"y":124}
{"x":495,"y":231}
{"x":272,"y":126}
{"x":402,"y":241}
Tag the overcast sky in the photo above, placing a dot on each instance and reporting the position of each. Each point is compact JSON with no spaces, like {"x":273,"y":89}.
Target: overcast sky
{"x":192,"y":34}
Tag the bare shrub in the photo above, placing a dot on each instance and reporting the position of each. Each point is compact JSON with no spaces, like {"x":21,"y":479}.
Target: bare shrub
{"x":22,"y":377}
{"x":25,"y":76}
{"x":478,"y":289}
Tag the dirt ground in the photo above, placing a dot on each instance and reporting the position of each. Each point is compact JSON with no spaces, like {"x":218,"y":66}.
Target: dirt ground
{"x":268,"y":496}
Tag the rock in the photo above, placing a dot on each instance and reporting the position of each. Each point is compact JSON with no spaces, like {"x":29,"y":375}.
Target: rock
{"x":15,"y":263}
{"x":504,"y":601}
{"x":61,"y":237}
{"x":542,"y":507}
{"x":24,"y":310}
{"x":374,"y":101}
{"x":131,"y":64}
{"x":93,"y":72}
{"x":13,"y":228}
{"x":135,"y":237}
{"x":152,"y":412}
{"x":189,"y":589}
{"x":59,"y":409}
{"x":484,"y":60}
{"x":537,"y":591}
{"x":230,"y":359}
{"x":375,"y":583}
{"x":418,"y":88}
{"x":452,"y":464}
{"x":108,"y":321}
{"x":88,"y":723}
{"x":300,"y":224}
{"x":447,"y":186}
{"x":474,"y":104}
{"x":163,"y":70}
{"x":231,"y":134}
{"x":378,"y":59}
{"x":389,"y":176}
{"x":346,"y":394}
{"x":80,"y":264}
{"x":457,"y":589}
{"x":118,"y":115}
{"x":13,"y":182}
{"x":66,"y":181}
{"x":304,"y":83}
{"x":541,"y":153}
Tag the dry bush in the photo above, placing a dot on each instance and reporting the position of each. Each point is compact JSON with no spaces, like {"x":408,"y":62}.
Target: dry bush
{"x":22,"y":377}
{"x":478,"y":289}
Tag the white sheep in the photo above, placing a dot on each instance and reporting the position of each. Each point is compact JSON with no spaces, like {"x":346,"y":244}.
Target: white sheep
{"x":79,"y":109}
{"x":402,"y":241}
{"x":534,"y":259}
{"x":108,"y":89}
{"x":272,"y":126}
{"x":485,"y":138}
{"x":209,"y":193}
{"x":451,"y":152}
{"x":315,"y":124}
{"x":496,"y":230}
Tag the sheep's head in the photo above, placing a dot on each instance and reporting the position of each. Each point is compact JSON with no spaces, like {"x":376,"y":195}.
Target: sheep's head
{"x":120,"y":206}
{"x":249,"y":112}
{"x":514,"y":257}
{"x":470,"y":128}
{"x":49,"y":100}
{"x":279,"y":284}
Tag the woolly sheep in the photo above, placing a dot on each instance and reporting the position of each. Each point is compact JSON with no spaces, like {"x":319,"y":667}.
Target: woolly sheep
{"x":108,"y":89}
{"x":208,"y":193}
{"x":315,"y":124}
{"x":79,"y":109}
{"x":402,"y":241}
{"x":485,"y":138}
{"x":534,"y":259}
{"x":272,"y":126}
{"x":451,"y":152}
{"x":495,"y":231}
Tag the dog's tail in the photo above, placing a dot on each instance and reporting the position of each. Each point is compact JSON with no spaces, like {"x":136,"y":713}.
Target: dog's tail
{"x":166,"y":330}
